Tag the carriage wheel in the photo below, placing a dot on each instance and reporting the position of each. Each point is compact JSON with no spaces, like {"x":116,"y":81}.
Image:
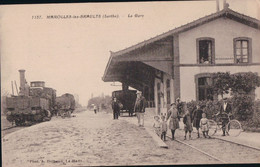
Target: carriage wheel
{"x":212,"y":127}
{"x":233,"y":128}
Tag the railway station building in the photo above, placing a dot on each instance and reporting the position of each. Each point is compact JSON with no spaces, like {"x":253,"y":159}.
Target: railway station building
{"x":179,"y":63}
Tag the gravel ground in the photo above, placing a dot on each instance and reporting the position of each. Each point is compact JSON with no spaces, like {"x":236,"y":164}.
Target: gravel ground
{"x":225,"y":151}
{"x":92,"y":139}
{"x":228,"y":152}
{"x":6,"y":124}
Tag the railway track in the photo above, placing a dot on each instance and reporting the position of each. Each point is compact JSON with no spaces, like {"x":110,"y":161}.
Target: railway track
{"x":233,"y":142}
{"x":8,"y":128}
{"x":199,"y":150}
{"x":255,"y":148}
{"x":235,"y":151}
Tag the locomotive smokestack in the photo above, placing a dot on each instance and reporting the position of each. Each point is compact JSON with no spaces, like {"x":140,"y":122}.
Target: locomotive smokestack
{"x":22,"y":80}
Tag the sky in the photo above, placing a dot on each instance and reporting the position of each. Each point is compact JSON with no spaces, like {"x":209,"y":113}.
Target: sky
{"x":71,"y":54}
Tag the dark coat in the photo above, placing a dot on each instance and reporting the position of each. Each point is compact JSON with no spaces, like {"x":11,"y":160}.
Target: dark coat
{"x":115,"y":106}
{"x":187,"y":121}
{"x":228,"y":108}
{"x":140,"y":104}
{"x":179,"y":108}
{"x":197,"y":115}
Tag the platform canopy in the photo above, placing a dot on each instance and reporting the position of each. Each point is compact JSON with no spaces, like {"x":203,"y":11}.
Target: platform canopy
{"x":138,"y":66}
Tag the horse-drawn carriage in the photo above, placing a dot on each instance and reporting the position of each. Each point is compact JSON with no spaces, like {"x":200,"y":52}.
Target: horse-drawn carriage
{"x":126,"y":99}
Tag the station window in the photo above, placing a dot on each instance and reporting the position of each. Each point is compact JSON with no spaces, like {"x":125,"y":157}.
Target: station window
{"x":205,"y":91}
{"x":242,"y":50}
{"x":205,"y":50}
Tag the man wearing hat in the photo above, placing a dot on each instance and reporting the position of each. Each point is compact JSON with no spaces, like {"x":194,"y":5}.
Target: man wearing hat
{"x":225,"y":110}
{"x":116,"y":108}
{"x":139,"y":108}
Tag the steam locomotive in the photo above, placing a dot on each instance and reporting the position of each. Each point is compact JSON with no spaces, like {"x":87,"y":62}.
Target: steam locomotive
{"x":34,"y":103}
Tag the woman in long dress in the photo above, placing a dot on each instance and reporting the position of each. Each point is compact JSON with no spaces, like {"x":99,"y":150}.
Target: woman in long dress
{"x":173,"y":115}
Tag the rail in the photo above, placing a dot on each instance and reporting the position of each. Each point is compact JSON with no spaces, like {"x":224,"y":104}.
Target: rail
{"x":208,"y":154}
{"x":8,"y":128}
{"x":195,"y":148}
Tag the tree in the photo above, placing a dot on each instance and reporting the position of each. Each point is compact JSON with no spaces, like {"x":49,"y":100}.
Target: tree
{"x":104,"y":102}
{"x":242,"y":106}
{"x":241,"y":83}
{"x":221,"y":83}
{"x":244,"y":82}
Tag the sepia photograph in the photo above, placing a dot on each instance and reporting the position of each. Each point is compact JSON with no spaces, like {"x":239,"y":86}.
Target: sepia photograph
{"x":130,"y":83}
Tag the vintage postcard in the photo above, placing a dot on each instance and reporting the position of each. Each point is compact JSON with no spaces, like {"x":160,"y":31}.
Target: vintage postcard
{"x":130,"y":83}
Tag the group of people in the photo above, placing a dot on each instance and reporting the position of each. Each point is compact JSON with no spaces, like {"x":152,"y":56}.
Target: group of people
{"x":173,"y":115}
{"x":160,"y":126}
{"x":197,"y":119}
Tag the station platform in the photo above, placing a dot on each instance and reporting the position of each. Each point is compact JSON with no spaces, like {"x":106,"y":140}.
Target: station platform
{"x":251,"y":139}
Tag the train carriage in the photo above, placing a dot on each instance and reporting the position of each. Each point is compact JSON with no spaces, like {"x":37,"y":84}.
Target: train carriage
{"x":65,"y":104}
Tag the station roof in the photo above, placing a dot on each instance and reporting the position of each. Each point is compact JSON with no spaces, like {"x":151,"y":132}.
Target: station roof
{"x":129,"y":54}
{"x":37,"y":81}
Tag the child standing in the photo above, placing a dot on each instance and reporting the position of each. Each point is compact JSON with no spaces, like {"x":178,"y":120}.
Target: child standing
{"x":157,"y":124}
{"x":204,"y":124}
{"x":163,"y":128}
{"x":187,"y":122}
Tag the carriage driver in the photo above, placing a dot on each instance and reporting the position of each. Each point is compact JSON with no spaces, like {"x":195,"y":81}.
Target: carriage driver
{"x":225,"y":110}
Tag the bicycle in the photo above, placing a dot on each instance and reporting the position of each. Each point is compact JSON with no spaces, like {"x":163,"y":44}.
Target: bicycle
{"x":232,"y":128}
